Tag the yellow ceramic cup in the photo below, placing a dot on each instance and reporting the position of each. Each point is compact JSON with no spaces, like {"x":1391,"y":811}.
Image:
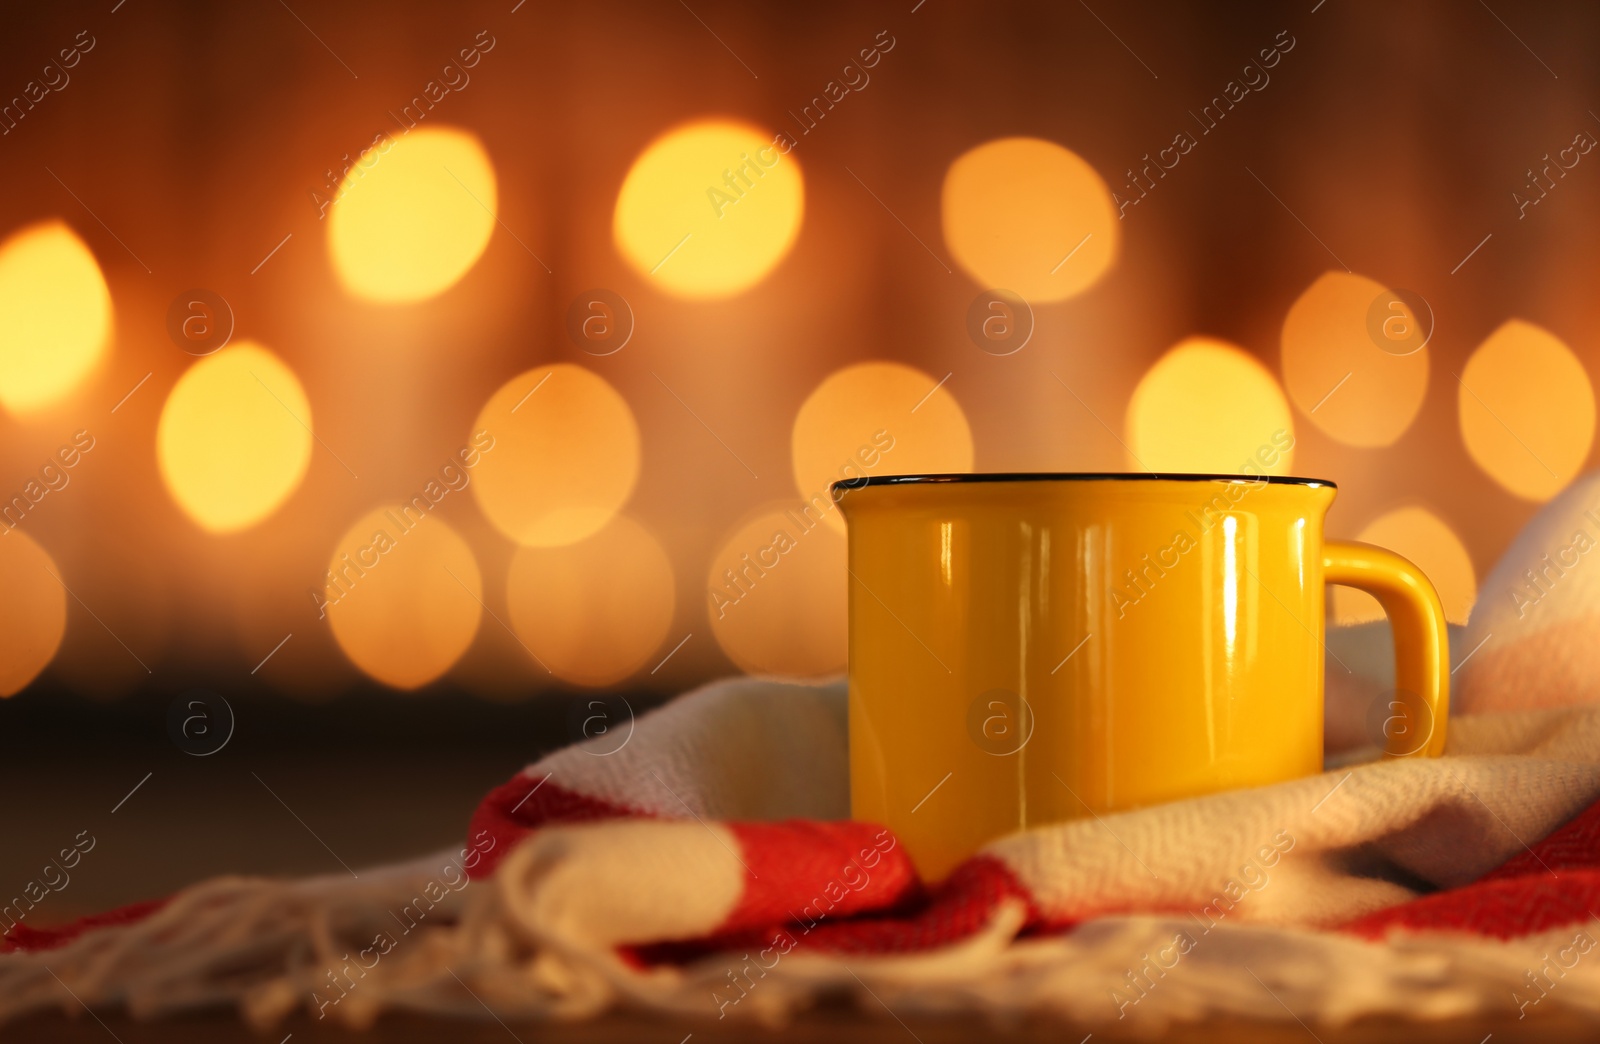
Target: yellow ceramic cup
{"x":1032,"y":648}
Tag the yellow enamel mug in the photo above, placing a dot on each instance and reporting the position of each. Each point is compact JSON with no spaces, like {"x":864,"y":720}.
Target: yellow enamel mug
{"x":1030,"y":648}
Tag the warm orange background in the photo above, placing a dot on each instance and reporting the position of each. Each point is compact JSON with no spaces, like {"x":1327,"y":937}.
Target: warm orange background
{"x":196,"y":132}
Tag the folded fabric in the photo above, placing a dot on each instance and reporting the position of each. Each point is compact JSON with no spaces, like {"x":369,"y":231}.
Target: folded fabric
{"x":1532,"y":627}
{"x":705,"y":867}
{"x":671,"y":840}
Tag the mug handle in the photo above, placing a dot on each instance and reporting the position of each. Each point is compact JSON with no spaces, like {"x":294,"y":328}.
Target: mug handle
{"x":1421,"y":636}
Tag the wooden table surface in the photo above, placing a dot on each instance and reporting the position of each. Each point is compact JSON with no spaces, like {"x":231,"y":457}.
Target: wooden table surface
{"x":832,"y":1027}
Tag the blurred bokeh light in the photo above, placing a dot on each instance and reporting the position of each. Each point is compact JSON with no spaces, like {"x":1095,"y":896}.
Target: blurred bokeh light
{"x":1029,"y":216}
{"x":876,"y":418}
{"x":1355,"y":360}
{"x":1206,"y":406}
{"x":234,"y":439}
{"x":413,"y":215}
{"x":1527,"y":410}
{"x":761,"y":248}
{"x":777,"y":592}
{"x":404,"y":596}
{"x":564,"y":458}
{"x":33,"y":611}
{"x":1429,"y":542}
{"x":593,"y":612}
{"x":710,"y":208}
{"x":55,"y":315}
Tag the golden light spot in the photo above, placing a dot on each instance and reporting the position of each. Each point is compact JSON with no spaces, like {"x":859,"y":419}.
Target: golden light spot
{"x":565,"y":456}
{"x":1027,"y":215}
{"x":404,"y":603}
{"x":55,"y":315}
{"x":710,"y":208}
{"x":875,"y":418}
{"x":33,"y":610}
{"x":1527,"y":410}
{"x":1208,"y":407}
{"x":1429,"y":542}
{"x":234,"y":438}
{"x":413,"y":215}
{"x":593,"y":612}
{"x":776,"y":593}
{"x":1351,"y":360}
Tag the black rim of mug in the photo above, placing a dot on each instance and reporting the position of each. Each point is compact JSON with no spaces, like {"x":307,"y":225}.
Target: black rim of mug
{"x":1073,"y":476}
